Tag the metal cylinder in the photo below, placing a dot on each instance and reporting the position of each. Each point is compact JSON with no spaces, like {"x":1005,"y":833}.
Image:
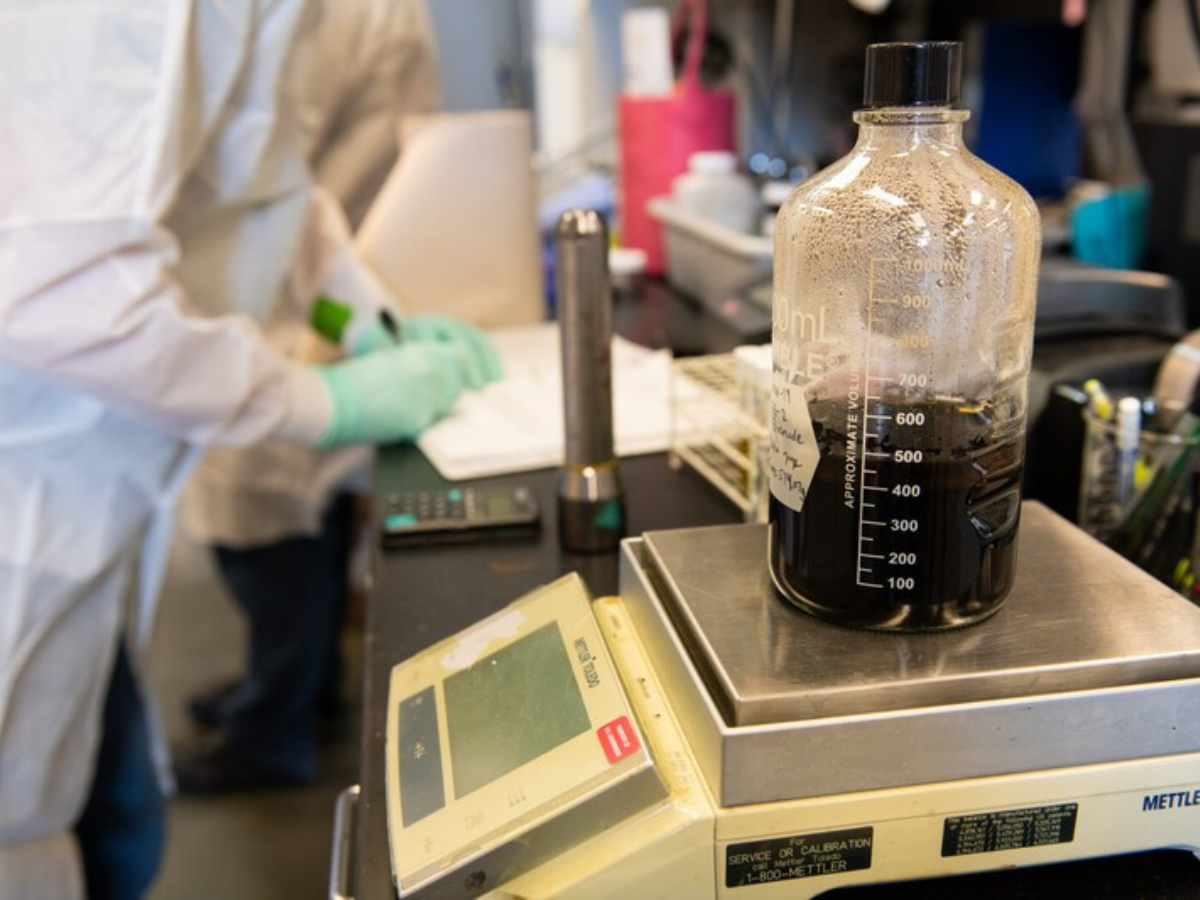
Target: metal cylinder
{"x":591,"y":508}
{"x":585,"y":321}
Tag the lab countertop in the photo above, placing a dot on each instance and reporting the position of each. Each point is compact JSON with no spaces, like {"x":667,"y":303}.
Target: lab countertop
{"x":424,"y":594}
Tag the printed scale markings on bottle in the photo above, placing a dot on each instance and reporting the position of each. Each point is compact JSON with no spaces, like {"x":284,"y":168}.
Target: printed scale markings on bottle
{"x":873,"y":450}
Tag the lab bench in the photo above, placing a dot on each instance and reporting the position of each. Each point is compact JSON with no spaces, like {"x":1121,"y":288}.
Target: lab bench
{"x":426,"y":593}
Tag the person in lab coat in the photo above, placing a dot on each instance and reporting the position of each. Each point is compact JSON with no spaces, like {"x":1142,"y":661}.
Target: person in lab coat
{"x":282,"y":517}
{"x":156,"y":193}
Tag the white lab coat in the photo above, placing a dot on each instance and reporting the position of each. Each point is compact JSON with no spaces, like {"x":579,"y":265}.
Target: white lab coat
{"x":148,"y":151}
{"x":375,"y":61}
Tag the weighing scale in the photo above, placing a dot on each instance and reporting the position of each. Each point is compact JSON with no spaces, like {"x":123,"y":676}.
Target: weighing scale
{"x":697,"y":736}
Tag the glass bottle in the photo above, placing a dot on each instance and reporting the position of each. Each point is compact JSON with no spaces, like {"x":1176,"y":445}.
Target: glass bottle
{"x":905,"y":278}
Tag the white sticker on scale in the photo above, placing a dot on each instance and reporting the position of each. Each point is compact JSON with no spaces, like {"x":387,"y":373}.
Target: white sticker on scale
{"x":794,"y":453}
{"x":474,"y":641}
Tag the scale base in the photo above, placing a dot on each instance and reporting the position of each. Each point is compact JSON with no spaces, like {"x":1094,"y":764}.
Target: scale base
{"x":689,"y":845}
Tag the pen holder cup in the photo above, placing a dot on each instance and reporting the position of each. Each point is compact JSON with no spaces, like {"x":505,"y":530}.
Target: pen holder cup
{"x":1142,"y":501}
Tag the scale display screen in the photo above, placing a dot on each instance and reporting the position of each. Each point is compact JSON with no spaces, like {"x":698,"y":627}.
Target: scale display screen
{"x":501,"y":728}
{"x":529,"y":681}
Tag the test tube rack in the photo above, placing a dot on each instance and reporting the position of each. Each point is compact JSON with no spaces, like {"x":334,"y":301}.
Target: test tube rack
{"x":719,"y":414}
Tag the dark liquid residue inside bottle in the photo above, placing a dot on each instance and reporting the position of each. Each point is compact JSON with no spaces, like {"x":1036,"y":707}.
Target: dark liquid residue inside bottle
{"x":943,"y":558}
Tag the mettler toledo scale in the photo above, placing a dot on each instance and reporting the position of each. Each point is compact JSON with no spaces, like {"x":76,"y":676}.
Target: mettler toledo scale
{"x":696,"y":736}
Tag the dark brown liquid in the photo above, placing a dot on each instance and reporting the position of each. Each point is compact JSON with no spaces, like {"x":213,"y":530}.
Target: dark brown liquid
{"x":942,"y":558}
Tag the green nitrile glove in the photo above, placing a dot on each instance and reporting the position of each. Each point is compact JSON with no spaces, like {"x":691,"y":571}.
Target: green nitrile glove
{"x":484,"y":362}
{"x":392,"y":394}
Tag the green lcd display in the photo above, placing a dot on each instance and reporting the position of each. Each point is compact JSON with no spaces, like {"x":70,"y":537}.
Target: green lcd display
{"x":510,"y":708}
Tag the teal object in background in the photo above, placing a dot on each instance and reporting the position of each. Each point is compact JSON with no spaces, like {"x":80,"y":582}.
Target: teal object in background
{"x":1110,"y":229}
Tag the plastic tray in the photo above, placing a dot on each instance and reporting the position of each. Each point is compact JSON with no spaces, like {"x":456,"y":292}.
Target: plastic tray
{"x":705,"y":259}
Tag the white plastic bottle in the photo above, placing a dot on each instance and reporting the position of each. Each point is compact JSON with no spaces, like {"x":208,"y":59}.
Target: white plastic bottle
{"x":714,"y":189}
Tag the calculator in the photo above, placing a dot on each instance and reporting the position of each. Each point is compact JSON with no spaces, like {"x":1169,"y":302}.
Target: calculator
{"x":459,"y":515}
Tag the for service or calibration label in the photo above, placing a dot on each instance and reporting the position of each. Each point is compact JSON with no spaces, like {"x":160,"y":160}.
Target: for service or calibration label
{"x":800,"y":856}
{"x":1036,"y":826}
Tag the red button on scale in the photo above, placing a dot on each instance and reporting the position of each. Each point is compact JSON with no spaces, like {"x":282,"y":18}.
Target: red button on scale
{"x":618,"y":739}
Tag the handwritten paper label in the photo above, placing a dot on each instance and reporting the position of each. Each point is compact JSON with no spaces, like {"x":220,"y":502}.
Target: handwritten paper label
{"x":794,"y":453}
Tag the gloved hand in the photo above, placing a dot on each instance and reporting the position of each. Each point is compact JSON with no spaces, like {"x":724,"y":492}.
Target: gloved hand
{"x":365,"y":334}
{"x":393,"y":394}
{"x":484,"y":362}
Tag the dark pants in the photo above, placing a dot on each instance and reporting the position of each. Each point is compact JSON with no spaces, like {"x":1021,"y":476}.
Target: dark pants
{"x":123,"y":827}
{"x":294,"y":595}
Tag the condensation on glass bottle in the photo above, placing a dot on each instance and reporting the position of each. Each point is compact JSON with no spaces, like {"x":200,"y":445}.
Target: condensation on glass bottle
{"x":905,"y":278}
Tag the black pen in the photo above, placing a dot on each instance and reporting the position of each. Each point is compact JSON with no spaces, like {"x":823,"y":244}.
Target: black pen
{"x":391,"y":324}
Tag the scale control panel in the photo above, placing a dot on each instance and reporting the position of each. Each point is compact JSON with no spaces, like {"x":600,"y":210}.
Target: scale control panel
{"x":514,"y":723}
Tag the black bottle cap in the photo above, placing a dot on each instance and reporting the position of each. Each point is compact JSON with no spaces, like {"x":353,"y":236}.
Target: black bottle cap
{"x":923,"y":73}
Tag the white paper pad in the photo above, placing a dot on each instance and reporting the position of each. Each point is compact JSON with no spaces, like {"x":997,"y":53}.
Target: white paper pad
{"x":516,"y":424}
